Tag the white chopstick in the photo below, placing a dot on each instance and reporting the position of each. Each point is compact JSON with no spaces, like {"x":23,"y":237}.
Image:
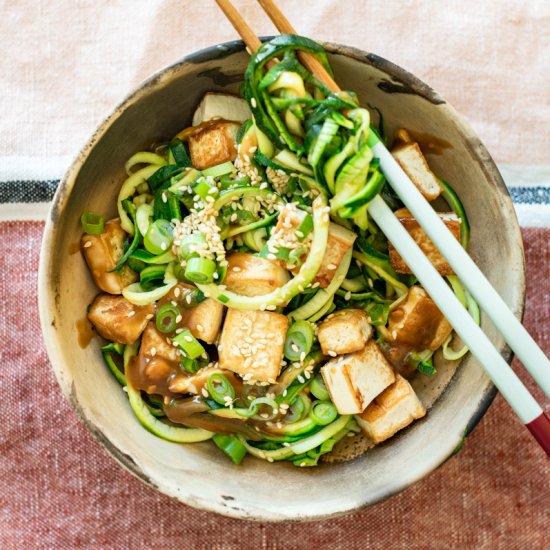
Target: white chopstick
{"x":467,"y":271}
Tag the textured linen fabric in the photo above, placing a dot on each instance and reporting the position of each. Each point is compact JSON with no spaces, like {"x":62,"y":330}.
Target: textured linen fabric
{"x":64,"y":66}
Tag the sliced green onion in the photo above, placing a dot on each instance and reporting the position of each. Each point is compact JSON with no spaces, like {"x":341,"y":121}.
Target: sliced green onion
{"x":190,"y":244}
{"x":189,"y":344}
{"x":92,"y":224}
{"x":203,"y":189}
{"x":323,"y":412}
{"x":200,"y":270}
{"x":426,"y":367}
{"x":220,"y":388}
{"x":152,"y":275}
{"x":158,"y":238}
{"x":139,"y":296}
{"x":254,"y":406}
{"x":299,"y":339}
{"x":318,"y":388}
{"x":227,"y":182}
{"x":166,"y":319}
{"x":232,"y":446}
{"x":299,"y":408}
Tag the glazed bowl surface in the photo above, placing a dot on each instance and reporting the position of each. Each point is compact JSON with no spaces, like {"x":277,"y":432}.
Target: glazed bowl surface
{"x":197,"y":474}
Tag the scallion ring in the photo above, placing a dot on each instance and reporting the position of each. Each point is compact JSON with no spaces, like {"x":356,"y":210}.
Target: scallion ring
{"x":220,"y":388}
{"x":191,"y":244}
{"x":166,"y":319}
{"x":158,"y":238}
{"x":323,"y":413}
{"x":189,"y":344}
{"x":318,"y":388}
{"x":200,"y":270}
{"x":92,"y":224}
{"x":299,"y":408}
{"x":299,"y":339}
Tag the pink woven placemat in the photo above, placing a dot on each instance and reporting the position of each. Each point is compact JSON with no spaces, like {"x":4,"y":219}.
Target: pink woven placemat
{"x":59,"y":489}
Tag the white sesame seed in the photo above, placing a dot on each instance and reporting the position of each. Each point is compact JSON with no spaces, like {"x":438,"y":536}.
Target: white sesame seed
{"x":347,"y":295}
{"x":204,"y":391}
{"x":200,"y":328}
{"x":331,"y":267}
{"x":131,"y":313}
{"x":149,"y":316}
{"x":332,"y":353}
{"x":153,"y":352}
{"x":179,"y":318}
{"x":236,"y":269}
{"x":253,"y":100}
{"x":87,"y":244}
{"x":164,"y":197}
{"x":300,"y":379}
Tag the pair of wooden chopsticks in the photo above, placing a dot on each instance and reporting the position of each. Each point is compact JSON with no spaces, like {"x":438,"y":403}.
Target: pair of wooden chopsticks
{"x":510,"y":386}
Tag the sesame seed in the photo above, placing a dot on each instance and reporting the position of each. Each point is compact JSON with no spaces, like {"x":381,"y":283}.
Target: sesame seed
{"x":347,"y":295}
{"x":331,"y":267}
{"x":332,"y":353}
{"x":149,"y":316}
{"x":87,"y":244}
{"x":204,"y":392}
{"x":271,"y":308}
{"x":153,"y":352}
{"x":300,"y":379}
{"x":188,"y":338}
{"x":131,"y":313}
{"x":179,"y":318}
{"x":177,"y":291}
{"x":200,"y":328}
{"x":269,"y":459}
{"x":253,"y":100}
{"x":164,"y":197}
{"x":163,"y":246}
{"x":236,"y":269}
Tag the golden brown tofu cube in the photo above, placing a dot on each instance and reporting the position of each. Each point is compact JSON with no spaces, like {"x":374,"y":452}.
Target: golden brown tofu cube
{"x":157,"y":363}
{"x":252,"y":343}
{"x":414,"y":164}
{"x":394,"y":409}
{"x":102,"y":253}
{"x":344,"y":331}
{"x":251,"y":275}
{"x":340,"y":240}
{"x":213,"y":145}
{"x":417,"y":322}
{"x":116,"y":319}
{"x":423,"y":241}
{"x":354,"y":380}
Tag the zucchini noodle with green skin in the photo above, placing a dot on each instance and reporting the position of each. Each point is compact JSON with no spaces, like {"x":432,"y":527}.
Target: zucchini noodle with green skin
{"x":278,"y":233}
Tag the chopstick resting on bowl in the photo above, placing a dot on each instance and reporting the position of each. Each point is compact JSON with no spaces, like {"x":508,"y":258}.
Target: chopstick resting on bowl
{"x":510,"y":386}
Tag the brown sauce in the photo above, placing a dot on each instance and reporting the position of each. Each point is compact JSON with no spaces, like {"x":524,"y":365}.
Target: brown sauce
{"x":85,"y":332}
{"x":430,"y":144}
{"x":74,"y":248}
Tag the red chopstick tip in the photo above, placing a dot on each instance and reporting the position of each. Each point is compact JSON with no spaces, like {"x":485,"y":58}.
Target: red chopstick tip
{"x":540,"y":428}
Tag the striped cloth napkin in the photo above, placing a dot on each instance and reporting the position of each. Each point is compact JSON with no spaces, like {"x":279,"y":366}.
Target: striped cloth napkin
{"x":68,"y":64}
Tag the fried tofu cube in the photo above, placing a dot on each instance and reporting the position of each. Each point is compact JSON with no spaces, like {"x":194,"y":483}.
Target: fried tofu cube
{"x":252,"y":343}
{"x":344,"y":331}
{"x":340,"y":240}
{"x":214,"y":105}
{"x":203,"y":320}
{"x":354,"y":380}
{"x":251,"y":275}
{"x":417,"y":322}
{"x":102,"y":253}
{"x":450,"y":219}
{"x":409,"y":156}
{"x":157,"y":362}
{"x":116,"y":319}
{"x":214,"y":144}
{"x":394,"y":409}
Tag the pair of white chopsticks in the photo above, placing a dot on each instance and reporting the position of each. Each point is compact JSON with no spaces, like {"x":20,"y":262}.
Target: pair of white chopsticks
{"x":532,"y":357}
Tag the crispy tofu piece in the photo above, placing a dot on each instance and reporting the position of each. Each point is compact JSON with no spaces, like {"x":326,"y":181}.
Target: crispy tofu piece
{"x":340,"y":240}
{"x":414,"y":164}
{"x":394,"y":409}
{"x":155,"y":345}
{"x":354,"y":380}
{"x":344,"y":331}
{"x":450,"y":219}
{"x":251,"y":275}
{"x":197,"y":382}
{"x":417,"y":322}
{"x":203,"y":320}
{"x":116,"y":319}
{"x":252,"y":343}
{"x":102,"y":253}
{"x":214,"y":144}
{"x":215,"y":105}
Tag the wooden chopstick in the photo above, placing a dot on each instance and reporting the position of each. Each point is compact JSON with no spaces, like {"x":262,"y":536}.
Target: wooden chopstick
{"x":511,"y":387}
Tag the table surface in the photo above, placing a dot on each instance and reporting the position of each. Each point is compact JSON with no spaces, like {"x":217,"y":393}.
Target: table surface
{"x":68,"y":65}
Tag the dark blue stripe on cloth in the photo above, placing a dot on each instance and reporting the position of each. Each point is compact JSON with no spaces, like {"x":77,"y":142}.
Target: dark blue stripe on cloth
{"x":530,"y":195}
{"x":29,"y":191}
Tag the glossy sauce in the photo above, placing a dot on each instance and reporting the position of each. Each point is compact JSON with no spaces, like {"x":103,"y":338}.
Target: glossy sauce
{"x":85,"y":332}
{"x":430,"y":145}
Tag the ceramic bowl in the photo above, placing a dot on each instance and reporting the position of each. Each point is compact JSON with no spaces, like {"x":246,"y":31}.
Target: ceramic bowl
{"x":197,"y":474}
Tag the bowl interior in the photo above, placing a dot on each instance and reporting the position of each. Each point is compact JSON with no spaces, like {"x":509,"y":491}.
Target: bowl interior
{"x":196,"y":474}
